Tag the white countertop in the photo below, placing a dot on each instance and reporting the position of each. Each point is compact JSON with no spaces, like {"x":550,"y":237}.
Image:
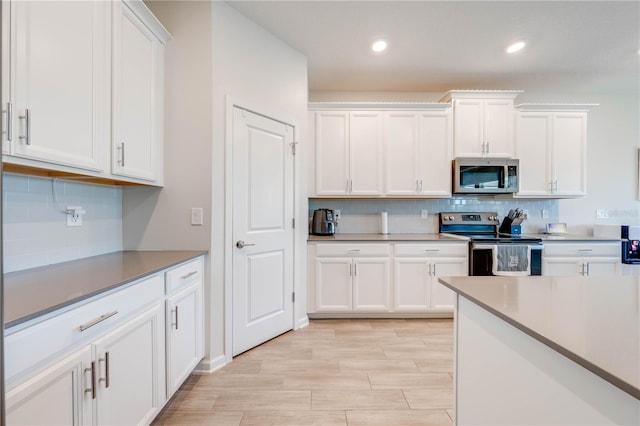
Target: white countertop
{"x":594,"y":321}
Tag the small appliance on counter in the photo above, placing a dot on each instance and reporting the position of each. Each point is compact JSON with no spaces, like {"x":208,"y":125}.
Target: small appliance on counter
{"x":323,"y":222}
{"x":511,"y":224}
{"x":630,"y":244}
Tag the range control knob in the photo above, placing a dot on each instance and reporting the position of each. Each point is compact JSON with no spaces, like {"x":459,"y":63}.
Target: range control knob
{"x":450,"y":217}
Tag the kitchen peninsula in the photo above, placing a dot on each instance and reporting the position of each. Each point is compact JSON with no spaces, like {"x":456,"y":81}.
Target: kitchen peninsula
{"x":546,"y":350}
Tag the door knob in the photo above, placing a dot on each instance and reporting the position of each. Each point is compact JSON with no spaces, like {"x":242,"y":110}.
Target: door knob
{"x":241,"y":244}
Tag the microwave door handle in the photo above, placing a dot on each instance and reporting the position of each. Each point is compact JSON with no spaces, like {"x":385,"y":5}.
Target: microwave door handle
{"x":505,"y":176}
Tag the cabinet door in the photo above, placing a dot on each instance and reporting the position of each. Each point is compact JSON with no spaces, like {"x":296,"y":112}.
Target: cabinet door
{"x":569,"y":153}
{"x":371,"y":284}
{"x":441,"y":296}
{"x":365,"y":153}
{"x":562,"y":266}
{"x":401,"y":155}
{"x":61,"y":81}
{"x":131,"y":366}
{"x":333,"y":284}
{"x":137,"y":61}
{"x":498,"y":127}
{"x":533,"y":148}
{"x":55,"y":396}
{"x":435,"y":153}
{"x":468,"y":140}
{"x":332,"y":153}
{"x":602,"y":266}
{"x":184,"y":335}
{"x":411,"y":284}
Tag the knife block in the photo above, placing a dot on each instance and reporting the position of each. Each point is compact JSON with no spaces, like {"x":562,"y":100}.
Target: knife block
{"x":507,"y":227}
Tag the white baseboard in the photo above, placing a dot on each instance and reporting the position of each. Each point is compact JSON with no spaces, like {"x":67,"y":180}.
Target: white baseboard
{"x":302,"y":322}
{"x":209,"y":365}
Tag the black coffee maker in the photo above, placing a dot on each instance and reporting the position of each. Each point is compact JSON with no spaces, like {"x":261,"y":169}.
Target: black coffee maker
{"x":323,"y":222}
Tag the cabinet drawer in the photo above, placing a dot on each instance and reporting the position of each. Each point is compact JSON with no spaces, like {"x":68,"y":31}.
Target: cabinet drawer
{"x":353,"y":250}
{"x":184,"y":275}
{"x":582,"y":250}
{"x":432,"y":250}
{"x":25,"y":348}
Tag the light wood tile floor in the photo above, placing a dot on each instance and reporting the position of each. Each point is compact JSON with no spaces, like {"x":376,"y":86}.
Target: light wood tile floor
{"x":333,"y":372}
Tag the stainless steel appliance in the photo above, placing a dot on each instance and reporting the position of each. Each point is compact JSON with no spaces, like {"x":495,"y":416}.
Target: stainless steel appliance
{"x":485,"y":175}
{"x":630,"y":244}
{"x":482,"y":230}
{"x":323,"y":222}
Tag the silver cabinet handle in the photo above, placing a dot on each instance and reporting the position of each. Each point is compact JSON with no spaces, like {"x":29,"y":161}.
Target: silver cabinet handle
{"x":176,"y":316}
{"x":92,"y":389}
{"x":9,"y":113}
{"x":587,"y":268}
{"x":351,"y":186}
{"x":190,"y":274}
{"x":351,"y":269}
{"x":431,"y":250}
{"x":420,"y":185}
{"x":241,"y":244}
{"x":98,"y":320}
{"x":355,"y":269}
{"x":353,"y":250}
{"x":417,"y":185}
{"x":433,"y":271}
{"x":585,"y":250}
{"x":121,"y":149}
{"x":27,"y":126}
{"x":106,"y":370}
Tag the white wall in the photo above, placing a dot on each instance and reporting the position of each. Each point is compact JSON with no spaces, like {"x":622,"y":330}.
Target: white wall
{"x":35,"y":231}
{"x":251,"y":65}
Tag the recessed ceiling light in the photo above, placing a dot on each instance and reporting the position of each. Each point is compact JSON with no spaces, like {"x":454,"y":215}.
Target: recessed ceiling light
{"x":517,"y":46}
{"x":379,"y":46}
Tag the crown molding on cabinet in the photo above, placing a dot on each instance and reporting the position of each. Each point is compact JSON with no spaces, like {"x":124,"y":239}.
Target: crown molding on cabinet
{"x":480,"y":94}
{"x":377,"y":106}
{"x":149,"y":19}
{"x":555,"y":107}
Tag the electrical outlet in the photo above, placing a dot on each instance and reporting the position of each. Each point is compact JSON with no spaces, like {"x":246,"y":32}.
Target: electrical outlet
{"x":602,"y":214}
{"x":74,"y":217}
{"x":424,"y":214}
{"x":545,"y":214}
{"x":336,"y":214}
{"x":196,"y":216}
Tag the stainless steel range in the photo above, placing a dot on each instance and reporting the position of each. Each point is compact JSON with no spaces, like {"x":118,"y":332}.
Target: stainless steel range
{"x":487,"y":245}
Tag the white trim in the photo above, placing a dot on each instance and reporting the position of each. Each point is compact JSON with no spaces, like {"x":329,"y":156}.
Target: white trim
{"x":149,"y":19}
{"x":553,"y":107}
{"x":480,"y":94}
{"x":377,"y":106}
{"x":209,"y":365}
{"x":227,"y":254}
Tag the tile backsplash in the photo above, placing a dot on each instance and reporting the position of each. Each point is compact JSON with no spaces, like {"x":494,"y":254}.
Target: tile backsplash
{"x":405,"y":216}
{"x":35,"y":229}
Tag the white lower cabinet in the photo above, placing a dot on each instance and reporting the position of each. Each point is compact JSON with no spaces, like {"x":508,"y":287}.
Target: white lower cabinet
{"x":589,"y":259}
{"x":56,"y":395}
{"x":417,"y":268}
{"x":357,"y":278}
{"x":113,"y":361}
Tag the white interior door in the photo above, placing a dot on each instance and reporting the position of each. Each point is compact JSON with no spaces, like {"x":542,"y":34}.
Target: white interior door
{"x":262,"y":229}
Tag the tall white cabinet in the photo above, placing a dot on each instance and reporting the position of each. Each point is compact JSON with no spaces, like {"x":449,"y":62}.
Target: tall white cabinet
{"x":138,"y":59}
{"x":81,"y":78}
{"x":551,"y":143}
{"x":59,"y":73}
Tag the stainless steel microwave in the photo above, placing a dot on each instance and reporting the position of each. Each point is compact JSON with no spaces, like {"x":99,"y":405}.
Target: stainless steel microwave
{"x":485,"y":175}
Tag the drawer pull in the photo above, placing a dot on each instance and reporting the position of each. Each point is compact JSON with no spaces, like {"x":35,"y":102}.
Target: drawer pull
{"x":585,"y":250}
{"x":98,"y":320}
{"x":432,"y":250}
{"x":190,"y":274}
{"x":353,"y":250}
{"x":93,"y":380}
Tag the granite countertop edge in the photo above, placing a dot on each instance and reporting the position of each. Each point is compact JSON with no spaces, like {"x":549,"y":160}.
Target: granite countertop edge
{"x":604,"y":374}
{"x":176,"y":257}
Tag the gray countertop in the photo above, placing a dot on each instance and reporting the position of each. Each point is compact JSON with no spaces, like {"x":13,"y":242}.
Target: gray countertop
{"x":386,"y":237}
{"x":446,"y":237}
{"x":594,"y":321}
{"x":35,"y":292}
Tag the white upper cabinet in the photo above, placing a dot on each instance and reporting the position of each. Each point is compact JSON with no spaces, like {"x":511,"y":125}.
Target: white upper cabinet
{"x":77,"y":77}
{"x":551,"y":142}
{"x":138,"y":63}
{"x":418,"y":153}
{"x":348,"y":151}
{"x":61,"y":82}
{"x":483,"y":122}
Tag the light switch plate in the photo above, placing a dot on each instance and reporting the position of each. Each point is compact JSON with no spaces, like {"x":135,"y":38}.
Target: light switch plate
{"x":196,"y":216}
{"x":424,"y":214}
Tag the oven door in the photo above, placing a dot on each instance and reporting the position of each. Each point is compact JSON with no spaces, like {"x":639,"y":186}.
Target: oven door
{"x":481,"y":259}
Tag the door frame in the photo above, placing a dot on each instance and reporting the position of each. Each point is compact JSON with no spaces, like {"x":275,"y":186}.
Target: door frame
{"x":299,"y":255}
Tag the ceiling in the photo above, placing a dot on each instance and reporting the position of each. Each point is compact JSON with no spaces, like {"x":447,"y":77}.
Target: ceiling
{"x":434,"y":46}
